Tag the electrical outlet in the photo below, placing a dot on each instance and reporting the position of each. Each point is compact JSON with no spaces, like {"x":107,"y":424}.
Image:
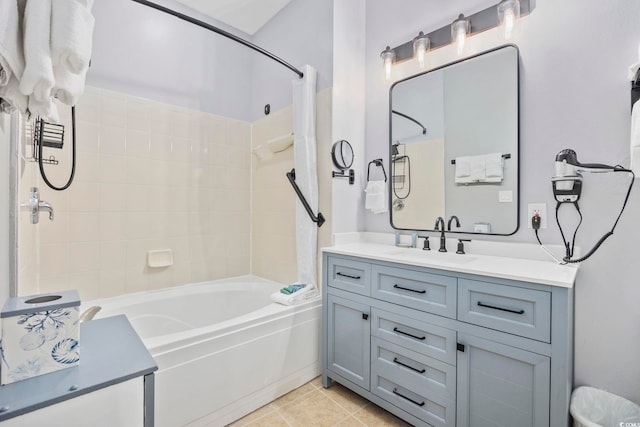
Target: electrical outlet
{"x":540,"y":209}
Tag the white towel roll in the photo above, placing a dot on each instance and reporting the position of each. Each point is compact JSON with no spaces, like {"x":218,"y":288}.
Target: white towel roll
{"x":37,"y":79}
{"x":68,"y":87}
{"x":71,"y":44}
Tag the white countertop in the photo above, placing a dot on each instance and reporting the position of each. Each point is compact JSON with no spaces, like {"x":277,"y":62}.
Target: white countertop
{"x":540,"y":271}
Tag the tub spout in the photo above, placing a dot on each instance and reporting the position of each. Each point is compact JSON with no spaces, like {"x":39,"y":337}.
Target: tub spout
{"x":89,"y":313}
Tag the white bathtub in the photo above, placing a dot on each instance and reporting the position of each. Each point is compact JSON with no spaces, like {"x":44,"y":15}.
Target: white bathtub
{"x":222,"y":348}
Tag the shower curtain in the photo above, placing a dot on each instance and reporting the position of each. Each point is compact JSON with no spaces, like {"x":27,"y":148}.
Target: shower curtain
{"x":304,"y":147}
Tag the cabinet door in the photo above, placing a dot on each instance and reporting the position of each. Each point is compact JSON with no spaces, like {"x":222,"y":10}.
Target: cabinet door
{"x":500,"y":385}
{"x":348,"y":340}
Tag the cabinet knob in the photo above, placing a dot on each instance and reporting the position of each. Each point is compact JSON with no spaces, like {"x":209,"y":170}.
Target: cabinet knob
{"x":365,"y":316}
{"x":461,"y":347}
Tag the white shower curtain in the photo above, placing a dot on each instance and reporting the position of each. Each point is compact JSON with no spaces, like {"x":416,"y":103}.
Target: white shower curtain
{"x":304,"y":147}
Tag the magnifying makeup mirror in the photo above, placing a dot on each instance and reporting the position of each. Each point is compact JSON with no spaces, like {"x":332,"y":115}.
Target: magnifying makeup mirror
{"x":342,"y":156}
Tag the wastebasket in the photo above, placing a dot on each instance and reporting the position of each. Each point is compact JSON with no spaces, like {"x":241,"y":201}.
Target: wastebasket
{"x":591,"y":407}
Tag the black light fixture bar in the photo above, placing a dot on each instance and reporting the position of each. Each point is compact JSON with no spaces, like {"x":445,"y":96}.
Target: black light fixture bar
{"x":480,"y":21}
{"x":221,"y":32}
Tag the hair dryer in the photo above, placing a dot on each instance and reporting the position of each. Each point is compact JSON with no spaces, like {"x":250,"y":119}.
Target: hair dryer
{"x":567,"y":183}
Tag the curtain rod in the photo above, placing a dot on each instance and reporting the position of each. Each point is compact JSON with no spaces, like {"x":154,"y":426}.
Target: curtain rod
{"x":221,"y":32}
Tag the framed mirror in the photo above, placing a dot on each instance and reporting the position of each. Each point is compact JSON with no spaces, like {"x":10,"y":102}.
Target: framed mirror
{"x":454,"y":145}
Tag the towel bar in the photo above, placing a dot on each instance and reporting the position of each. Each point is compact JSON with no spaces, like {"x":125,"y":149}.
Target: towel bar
{"x":504,"y":156}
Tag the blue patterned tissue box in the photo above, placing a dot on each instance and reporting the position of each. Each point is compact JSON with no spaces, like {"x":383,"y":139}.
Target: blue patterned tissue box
{"x":40,"y":334}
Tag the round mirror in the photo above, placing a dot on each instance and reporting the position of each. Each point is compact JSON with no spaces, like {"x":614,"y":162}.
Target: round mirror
{"x":342,"y":154}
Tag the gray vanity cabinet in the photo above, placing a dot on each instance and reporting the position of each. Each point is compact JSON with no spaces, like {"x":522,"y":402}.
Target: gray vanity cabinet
{"x":442,"y":348}
{"x":499,"y":385}
{"x":348,"y":345}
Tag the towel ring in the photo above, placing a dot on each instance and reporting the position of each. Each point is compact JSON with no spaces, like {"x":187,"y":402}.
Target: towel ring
{"x":376,"y":162}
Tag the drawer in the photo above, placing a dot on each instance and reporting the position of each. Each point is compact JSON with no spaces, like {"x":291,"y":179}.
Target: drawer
{"x":428,"y":292}
{"x":519,"y":311}
{"x":436,"y":412}
{"x":413,"y":370}
{"x":349,"y":275}
{"x":431,"y":340}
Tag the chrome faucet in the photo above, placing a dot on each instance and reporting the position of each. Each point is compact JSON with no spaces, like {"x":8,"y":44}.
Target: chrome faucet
{"x":35,"y":205}
{"x":440,"y":227}
{"x":451,"y":218}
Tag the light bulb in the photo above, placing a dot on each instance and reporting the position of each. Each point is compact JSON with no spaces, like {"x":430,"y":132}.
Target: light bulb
{"x":459,"y":30}
{"x":421,"y":45}
{"x":508,"y":14}
{"x":388,"y":56}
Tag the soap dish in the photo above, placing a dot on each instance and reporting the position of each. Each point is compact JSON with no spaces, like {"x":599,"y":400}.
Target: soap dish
{"x":160,"y":258}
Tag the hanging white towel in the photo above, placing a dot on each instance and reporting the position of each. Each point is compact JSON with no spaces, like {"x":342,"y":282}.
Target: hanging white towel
{"x":37,"y":79}
{"x":47,"y":110}
{"x":463,"y":170}
{"x":71,"y":44}
{"x":376,"y":197}
{"x":478,"y":168}
{"x":635,"y":139}
{"x":494,"y":167}
{"x":12,"y":98}
{"x":11,"y":52}
{"x":69,"y":86}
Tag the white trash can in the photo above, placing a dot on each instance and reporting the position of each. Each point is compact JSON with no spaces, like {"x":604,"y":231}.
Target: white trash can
{"x":591,"y":407}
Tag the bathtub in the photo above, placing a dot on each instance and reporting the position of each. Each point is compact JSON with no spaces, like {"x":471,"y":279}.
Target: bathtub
{"x":223,"y":348}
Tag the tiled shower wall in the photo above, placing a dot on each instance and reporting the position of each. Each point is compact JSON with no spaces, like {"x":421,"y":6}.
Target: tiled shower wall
{"x":149,"y":176}
{"x":274,"y":201}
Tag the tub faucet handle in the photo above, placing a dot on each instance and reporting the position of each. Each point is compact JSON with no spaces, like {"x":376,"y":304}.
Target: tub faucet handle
{"x":35,"y":205}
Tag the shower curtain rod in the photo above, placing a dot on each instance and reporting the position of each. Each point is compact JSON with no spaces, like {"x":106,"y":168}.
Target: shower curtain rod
{"x":221,"y":32}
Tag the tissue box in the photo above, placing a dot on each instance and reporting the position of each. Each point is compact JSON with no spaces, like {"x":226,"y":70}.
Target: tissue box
{"x":40,"y":334}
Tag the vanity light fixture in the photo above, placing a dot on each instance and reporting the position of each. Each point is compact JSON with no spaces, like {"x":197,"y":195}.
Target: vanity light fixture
{"x":420,"y":48}
{"x":508,"y":15}
{"x":506,"y":21}
{"x":459,"y":30}
{"x":388,"y":57}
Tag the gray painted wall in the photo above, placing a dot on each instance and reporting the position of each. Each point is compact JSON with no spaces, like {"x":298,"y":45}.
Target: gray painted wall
{"x":301,"y":33}
{"x":574,"y":94}
{"x":143,"y":52}
{"x":146,"y":53}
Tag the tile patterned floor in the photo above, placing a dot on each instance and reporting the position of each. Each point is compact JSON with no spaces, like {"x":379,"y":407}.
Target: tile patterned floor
{"x":312,"y":405}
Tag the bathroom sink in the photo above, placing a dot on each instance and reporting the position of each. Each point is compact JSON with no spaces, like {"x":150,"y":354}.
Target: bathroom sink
{"x":431,"y":256}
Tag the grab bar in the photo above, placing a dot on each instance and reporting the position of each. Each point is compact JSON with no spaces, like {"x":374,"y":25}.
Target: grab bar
{"x":292,"y":179}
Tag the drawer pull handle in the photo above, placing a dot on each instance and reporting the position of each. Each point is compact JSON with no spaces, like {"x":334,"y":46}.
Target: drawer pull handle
{"x":408,"y":334}
{"x":347,"y":275}
{"x":395,"y":391}
{"x":409,"y":289}
{"x":481,"y":304}
{"x":420,"y":371}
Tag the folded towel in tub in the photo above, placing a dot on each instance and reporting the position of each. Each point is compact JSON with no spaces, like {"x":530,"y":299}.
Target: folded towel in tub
{"x":295,"y":293}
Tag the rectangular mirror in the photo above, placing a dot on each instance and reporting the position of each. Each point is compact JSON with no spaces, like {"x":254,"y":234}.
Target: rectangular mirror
{"x":454,"y":141}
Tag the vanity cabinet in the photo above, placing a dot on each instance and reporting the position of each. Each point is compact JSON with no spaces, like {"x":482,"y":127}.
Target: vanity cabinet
{"x":444,"y":348}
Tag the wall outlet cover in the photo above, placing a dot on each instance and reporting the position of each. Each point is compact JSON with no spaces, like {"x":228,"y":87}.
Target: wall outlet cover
{"x":540,"y":209}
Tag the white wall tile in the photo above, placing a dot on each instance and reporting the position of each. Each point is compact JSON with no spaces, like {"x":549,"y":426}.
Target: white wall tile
{"x":113,"y":140}
{"x":83,"y":257}
{"x":149,"y":176}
